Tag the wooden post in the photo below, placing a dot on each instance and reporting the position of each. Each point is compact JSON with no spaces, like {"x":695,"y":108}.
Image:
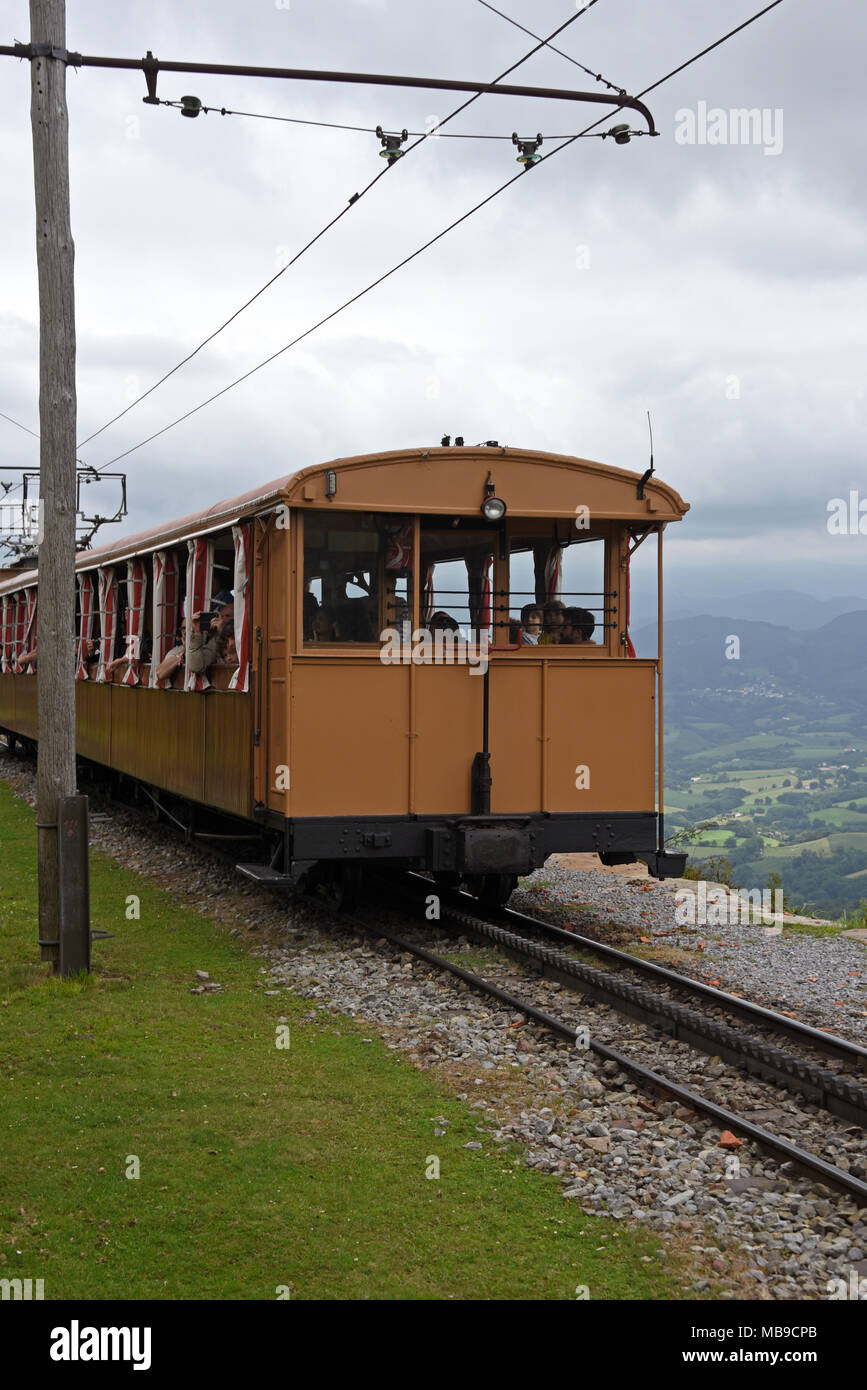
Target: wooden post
{"x":57,"y":423}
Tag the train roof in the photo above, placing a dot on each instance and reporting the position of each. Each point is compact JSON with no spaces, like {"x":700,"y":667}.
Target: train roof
{"x":611,"y":493}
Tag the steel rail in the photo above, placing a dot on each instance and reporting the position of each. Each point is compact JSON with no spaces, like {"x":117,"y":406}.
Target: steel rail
{"x":839,"y":1049}
{"x":840,"y":1095}
{"x":728,"y":1119}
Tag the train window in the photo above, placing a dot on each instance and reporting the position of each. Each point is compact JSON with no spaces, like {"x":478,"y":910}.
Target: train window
{"x":358,"y":575}
{"x":456,"y":574}
{"x":557,"y":589}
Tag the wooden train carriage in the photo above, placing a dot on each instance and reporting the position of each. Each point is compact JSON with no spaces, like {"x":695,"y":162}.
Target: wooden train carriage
{"x":389,"y":702}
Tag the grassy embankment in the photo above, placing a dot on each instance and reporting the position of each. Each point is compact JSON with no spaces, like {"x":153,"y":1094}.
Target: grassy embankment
{"x":259,"y":1166}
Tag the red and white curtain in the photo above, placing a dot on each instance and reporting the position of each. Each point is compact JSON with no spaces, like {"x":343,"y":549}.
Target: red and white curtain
{"x":166,"y":587}
{"x":241,"y":677}
{"x":6,"y":620}
{"x":107,"y":619}
{"x":548,"y":570}
{"x":85,"y":624}
{"x":136,"y":595}
{"x":200,"y":578}
{"x":630,"y":647}
{"x":399,"y":544}
{"x":18,"y":627}
{"x":29,"y":640}
{"x":486,"y":596}
{"x":554,"y":572}
{"x":479,"y":591}
{"x":428,"y":597}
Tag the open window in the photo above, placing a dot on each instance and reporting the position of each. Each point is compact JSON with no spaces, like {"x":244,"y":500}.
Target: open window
{"x":557,"y":585}
{"x":358,"y":576}
{"x":457,"y":557}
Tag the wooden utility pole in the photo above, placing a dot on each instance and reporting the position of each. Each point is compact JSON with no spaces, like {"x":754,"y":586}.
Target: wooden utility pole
{"x":57,"y":426}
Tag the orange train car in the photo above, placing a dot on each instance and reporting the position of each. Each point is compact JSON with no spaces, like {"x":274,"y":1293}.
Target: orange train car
{"x":431,"y":665}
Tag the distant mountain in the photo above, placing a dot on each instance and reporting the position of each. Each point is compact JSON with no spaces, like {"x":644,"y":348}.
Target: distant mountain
{"x":830,"y":661}
{"x":781,"y":607}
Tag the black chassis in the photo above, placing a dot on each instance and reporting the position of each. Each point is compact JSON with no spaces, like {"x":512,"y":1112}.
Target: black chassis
{"x":487,"y":844}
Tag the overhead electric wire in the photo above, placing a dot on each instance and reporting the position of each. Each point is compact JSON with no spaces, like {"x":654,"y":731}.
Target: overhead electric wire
{"x":333,"y":125}
{"x":334,"y":220}
{"x":431,"y":242}
{"x":19,"y":424}
{"x":589,"y":71}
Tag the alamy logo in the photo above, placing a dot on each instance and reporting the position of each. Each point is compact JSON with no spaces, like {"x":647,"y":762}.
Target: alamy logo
{"x":76,"y":1343}
{"x":25,"y":1289}
{"x":402,"y":647}
{"x":714,"y":906}
{"x":739,"y":126}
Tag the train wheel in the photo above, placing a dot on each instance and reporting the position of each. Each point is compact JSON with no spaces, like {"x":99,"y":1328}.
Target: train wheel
{"x":447,"y":879}
{"x":339,"y":885}
{"x":493,"y":890}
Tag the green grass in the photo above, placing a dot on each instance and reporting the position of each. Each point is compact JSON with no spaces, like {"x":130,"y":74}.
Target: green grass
{"x":788,"y":851}
{"x":259,"y":1167}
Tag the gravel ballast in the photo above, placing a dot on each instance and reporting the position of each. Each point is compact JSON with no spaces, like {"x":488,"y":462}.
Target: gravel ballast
{"x":751,"y":1228}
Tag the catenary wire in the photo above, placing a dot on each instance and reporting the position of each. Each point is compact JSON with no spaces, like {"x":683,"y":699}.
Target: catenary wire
{"x":313,"y":240}
{"x":19,"y":424}
{"x":589,"y":71}
{"x":332,"y":125}
{"x":419,"y":250}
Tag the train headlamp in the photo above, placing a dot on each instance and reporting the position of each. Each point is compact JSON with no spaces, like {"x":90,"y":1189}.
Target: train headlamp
{"x":493,"y":507}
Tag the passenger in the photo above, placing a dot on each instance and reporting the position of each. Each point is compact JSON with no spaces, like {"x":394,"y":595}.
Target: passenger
{"x":311,"y":608}
{"x":119,"y":661}
{"x":230,"y":651}
{"x":173,"y":660}
{"x":552,"y":622}
{"x":112,"y":666}
{"x":443,"y":622}
{"x":578,"y":625}
{"x":205,"y":647}
{"x":323,"y":628}
{"x":531,"y":621}
{"x":28,"y":658}
{"x":354,"y":623}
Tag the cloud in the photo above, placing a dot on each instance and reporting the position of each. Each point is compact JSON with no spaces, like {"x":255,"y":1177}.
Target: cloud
{"x":720,"y":289}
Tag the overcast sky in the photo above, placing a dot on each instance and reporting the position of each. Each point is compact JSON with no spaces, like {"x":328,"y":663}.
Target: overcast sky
{"x":721,"y":286}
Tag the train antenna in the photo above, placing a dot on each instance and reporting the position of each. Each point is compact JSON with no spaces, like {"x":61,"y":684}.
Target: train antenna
{"x":648,"y":472}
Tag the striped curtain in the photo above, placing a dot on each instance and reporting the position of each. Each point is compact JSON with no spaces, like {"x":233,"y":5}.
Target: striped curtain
{"x":136,"y":594}
{"x":200,"y":578}
{"x":85,"y":626}
{"x":241,"y":677}
{"x":30,"y":616}
{"x":479,"y":591}
{"x":5,"y":632}
{"x":107,"y":619}
{"x":18,"y":623}
{"x":428,"y":598}
{"x":165,"y":610}
{"x":548,"y":570}
{"x":630,"y":648}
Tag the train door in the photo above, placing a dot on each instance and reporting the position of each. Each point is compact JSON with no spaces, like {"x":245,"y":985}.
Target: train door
{"x":272,"y":616}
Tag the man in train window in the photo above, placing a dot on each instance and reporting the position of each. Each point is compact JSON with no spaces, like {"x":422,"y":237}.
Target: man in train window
{"x":209,"y":646}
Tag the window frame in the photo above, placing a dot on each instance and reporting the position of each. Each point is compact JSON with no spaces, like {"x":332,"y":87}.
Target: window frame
{"x":611,"y":532}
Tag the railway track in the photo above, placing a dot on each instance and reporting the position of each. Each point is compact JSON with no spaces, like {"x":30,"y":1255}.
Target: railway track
{"x":841,"y":1090}
{"x":779,"y":1147}
{"x":841,"y":1095}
